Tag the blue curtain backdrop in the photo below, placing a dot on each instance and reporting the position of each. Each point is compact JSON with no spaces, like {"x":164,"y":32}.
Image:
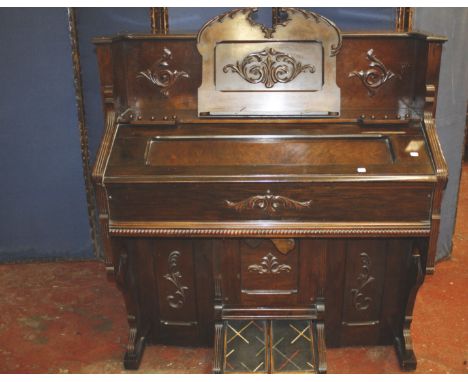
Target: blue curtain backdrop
{"x":42,"y":203}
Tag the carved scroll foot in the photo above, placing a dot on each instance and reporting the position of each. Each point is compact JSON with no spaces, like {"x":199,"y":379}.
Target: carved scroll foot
{"x":135,"y":348}
{"x":402,"y":338}
{"x":321,"y":360}
{"x":404,"y":348}
{"x":321,"y":349}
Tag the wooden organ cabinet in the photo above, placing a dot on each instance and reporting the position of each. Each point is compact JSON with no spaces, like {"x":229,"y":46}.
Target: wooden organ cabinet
{"x":269,"y":192}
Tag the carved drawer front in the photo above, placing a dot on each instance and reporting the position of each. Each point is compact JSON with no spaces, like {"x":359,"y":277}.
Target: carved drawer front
{"x":267,"y":271}
{"x":271,"y":272}
{"x":289,"y":201}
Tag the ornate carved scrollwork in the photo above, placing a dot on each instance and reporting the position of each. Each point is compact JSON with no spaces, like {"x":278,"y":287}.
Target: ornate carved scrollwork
{"x":163,"y":77}
{"x":335,"y":48}
{"x":269,"y":32}
{"x":177,"y":299}
{"x":376,"y":76}
{"x":268,"y":203}
{"x":269,"y":264}
{"x":360,"y":301}
{"x":269,"y":67}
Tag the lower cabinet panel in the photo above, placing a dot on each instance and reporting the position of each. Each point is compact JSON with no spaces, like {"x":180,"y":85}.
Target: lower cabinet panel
{"x":175,"y":278}
{"x":366,"y":299}
{"x":362,"y":281}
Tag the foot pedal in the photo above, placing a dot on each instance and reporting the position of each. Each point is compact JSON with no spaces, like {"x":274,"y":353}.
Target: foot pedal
{"x":293,"y":346}
{"x":246,"y":346}
{"x":271,"y":346}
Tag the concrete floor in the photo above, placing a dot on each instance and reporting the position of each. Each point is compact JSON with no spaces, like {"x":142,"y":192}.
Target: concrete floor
{"x":67,"y":318}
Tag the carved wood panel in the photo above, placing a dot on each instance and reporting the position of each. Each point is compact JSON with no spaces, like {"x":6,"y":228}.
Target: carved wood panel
{"x":266,"y":271}
{"x":364,"y":293}
{"x":365,"y":273}
{"x":405,"y":59}
{"x":272,"y":66}
{"x":163,"y":78}
{"x":394,"y":86}
{"x":174,"y":271}
{"x":250,"y":69}
{"x":255,"y":273}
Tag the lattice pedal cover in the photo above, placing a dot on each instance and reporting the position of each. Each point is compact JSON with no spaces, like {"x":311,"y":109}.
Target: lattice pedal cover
{"x":246,"y":346}
{"x":292,"y":347}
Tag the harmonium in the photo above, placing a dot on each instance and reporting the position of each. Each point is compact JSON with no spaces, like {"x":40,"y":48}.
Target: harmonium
{"x":270,"y":192}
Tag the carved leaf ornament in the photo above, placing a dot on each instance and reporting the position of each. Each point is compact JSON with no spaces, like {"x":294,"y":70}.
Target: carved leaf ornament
{"x":163,"y":77}
{"x":269,"y":264}
{"x":376,"y":76}
{"x":268,"y":203}
{"x":177,"y":299}
{"x":359,"y":299}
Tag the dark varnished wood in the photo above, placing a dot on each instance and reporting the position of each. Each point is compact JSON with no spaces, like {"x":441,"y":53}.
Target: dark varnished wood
{"x":205,"y":220}
{"x":400,"y":52}
{"x":208,"y":202}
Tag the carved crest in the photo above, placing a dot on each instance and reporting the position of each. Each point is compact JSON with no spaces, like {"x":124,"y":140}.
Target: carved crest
{"x":246,"y":14}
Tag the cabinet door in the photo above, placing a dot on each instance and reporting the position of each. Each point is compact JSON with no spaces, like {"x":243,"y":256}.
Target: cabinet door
{"x":365,"y":272}
{"x":182,"y":270}
{"x":271,"y":272}
{"x":365,"y":280}
{"x":174,"y":269}
{"x":266,"y":274}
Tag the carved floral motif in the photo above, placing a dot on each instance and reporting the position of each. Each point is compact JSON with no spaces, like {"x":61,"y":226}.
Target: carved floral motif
{"x":376,"y":76}
{"x":163,"y":77}
{"x":269,"y":264}
{"x":177,"y":299}
{"x":269,"y":67}
{"x":360,"y":301}
{"x":268,"y":203}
